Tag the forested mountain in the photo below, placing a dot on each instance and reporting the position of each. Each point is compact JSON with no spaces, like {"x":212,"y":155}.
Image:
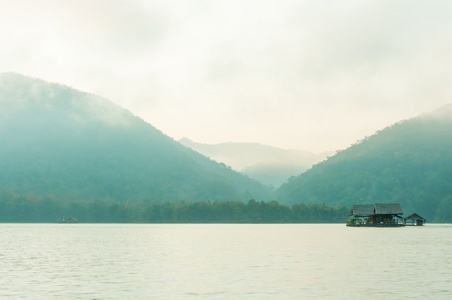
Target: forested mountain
{"x":62,"y":150}
{"x":409,"y":162}
{"x":269,"y":165}
{"x":60,"y":143}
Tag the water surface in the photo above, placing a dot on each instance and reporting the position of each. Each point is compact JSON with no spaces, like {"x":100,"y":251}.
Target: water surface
{"x":123,"y":261}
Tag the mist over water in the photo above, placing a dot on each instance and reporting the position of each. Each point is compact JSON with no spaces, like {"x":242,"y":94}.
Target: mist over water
{"x":87,"y":261}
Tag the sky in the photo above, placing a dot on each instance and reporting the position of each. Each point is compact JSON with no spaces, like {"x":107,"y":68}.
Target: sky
{"x":314,"y":75}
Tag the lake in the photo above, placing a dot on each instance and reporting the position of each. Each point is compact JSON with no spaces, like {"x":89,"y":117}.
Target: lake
{"x":186,"y":261}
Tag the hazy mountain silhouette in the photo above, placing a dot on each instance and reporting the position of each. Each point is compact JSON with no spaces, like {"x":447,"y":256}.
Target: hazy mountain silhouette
{"x":62,"y":143}
{"x":269,"y":165}
{"x":409,"y":162}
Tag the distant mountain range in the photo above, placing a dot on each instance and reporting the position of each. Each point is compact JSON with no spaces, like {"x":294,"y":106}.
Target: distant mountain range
{"x":62,"y":143}
{"x":269,"y":165}
{"x":409,"y":162}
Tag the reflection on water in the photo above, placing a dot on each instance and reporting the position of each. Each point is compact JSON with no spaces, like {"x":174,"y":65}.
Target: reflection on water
{"x":116,"y":261}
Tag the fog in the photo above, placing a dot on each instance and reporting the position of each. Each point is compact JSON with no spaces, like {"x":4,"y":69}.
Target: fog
{"x":313,"y":75}
{"x":19,"y":94}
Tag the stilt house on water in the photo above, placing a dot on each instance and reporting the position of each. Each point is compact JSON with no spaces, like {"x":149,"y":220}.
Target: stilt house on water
{"x":414,"y":220}
{"x":376,"y":215}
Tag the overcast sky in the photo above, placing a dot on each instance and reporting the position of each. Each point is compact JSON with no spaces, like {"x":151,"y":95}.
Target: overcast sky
{"x":314,"y":75}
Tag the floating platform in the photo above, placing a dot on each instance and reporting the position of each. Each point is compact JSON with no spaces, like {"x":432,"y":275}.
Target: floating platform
{"x":375,"y":225}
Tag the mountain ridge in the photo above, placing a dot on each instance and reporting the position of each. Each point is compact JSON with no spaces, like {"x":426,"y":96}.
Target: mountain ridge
{"x":409,"y":162}
{"x":267,"y":164}
{"x":63,"y":143}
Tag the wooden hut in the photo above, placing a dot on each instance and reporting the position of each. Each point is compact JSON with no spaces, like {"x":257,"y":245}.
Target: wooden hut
{"x":386,"y":213}
{"x":414,"y":220}
{"x":360,"y":213}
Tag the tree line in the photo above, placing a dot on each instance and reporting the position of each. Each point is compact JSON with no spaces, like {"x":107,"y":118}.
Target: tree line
{"x":48,"y":210}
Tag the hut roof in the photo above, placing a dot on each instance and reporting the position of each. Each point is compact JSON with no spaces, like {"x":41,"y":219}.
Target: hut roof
{"x":388,"y":209}
{"x":362,"y":210}
{"x":414,"y":216}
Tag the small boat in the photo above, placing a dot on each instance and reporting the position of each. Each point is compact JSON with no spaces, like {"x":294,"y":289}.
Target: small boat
{"x":67,"y":220}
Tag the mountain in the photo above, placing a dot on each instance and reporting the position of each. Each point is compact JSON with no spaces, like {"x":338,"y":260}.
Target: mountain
{"x":269,"y":165}
{"x":62,"y":143}
{"x":409,"y":162}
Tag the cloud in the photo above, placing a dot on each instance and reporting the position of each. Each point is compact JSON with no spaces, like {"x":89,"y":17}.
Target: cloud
{"x":320,"y":74}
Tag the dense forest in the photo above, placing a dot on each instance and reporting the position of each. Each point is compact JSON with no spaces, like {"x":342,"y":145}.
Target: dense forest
{"x":20,"y":209}
{"x":409,"y":163}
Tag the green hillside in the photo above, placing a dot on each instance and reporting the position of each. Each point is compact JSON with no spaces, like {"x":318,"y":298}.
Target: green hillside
{"x":60,"y":143}
{"x":409,"y":162}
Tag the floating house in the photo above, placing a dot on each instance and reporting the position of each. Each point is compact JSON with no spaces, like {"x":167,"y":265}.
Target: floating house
{"x":414,"y":220}
{"x":376,"y":215}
